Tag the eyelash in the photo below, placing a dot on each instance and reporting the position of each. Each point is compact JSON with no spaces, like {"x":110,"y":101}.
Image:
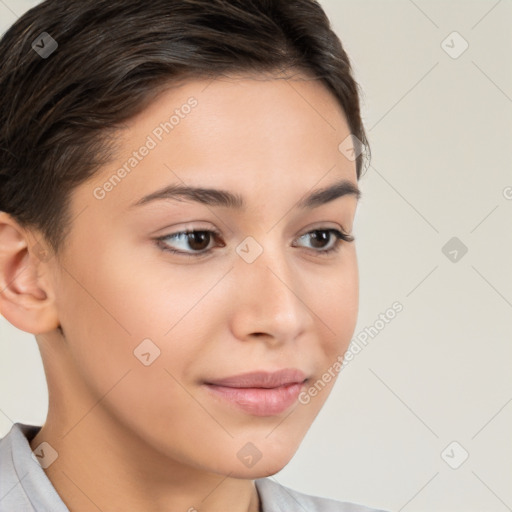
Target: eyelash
{"x":340,"y":235}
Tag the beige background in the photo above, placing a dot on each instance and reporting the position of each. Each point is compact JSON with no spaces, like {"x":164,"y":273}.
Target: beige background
{"x":440,"y":132}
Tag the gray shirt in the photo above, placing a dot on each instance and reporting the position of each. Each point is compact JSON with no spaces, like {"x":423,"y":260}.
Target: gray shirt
{"x":25,"y":487}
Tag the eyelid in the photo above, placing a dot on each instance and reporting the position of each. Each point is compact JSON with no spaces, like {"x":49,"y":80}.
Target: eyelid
{"x":323,"y":226}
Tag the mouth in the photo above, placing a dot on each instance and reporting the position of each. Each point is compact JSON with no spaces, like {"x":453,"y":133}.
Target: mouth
{"x":259,"y":393}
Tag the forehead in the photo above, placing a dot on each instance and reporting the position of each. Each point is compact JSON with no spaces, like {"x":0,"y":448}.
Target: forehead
{"x":249,"y":133}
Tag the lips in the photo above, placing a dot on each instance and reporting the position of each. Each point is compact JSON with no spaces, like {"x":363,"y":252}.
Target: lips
{"x":259,"y":393}
{"x":262,"y":379}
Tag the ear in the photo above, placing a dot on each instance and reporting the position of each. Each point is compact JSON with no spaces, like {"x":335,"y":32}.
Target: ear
{"x":26,"y":296}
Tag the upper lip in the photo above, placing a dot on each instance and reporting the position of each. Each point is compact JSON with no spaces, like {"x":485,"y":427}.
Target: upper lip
{"x":262,"y":379}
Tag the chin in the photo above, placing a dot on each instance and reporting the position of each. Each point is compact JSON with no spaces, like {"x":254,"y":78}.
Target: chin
{"x":260,"y":470}
{"x":269,"y":464}
{"x":269,"y":469}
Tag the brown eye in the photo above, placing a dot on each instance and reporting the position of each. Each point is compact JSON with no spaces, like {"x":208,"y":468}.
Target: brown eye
{"x":196,"y":240}
{"x":190,"y":243}
{"x":320,"y":238}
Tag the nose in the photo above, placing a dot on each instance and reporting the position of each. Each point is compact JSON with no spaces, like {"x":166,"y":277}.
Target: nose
{"x":270,"y":300}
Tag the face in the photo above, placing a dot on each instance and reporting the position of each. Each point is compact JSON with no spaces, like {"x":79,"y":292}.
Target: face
{"x":262,"y":283}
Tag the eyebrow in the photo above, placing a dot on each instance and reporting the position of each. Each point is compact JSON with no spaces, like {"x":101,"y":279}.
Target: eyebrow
{"x":224,"y":198}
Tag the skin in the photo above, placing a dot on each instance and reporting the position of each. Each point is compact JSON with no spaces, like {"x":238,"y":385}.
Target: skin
{"x":150,"y":438}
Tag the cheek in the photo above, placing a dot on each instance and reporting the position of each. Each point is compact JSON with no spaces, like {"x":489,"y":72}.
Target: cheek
{"x":131,"y":341}
{"x":145,"y":316}
{"x":336,"y":303}
{"x":337,"y":306}
{"x":108,"y":309}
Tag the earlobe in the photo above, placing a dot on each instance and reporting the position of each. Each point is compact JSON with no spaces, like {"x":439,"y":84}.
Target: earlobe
{"x":26,"y":298}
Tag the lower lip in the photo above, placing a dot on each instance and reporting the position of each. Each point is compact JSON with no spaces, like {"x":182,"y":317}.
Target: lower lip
{"x":259,"y":401}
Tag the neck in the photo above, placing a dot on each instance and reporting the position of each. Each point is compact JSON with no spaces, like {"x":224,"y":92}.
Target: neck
{"x":95,"y":471}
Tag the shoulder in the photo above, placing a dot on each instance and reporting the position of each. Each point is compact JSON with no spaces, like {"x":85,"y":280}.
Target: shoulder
{"x":24,"y":486}
{"x":11,"y":490}
{"x":275,"y":497}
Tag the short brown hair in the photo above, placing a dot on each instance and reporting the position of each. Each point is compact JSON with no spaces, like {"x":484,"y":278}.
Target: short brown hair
{"x":59,"y":114}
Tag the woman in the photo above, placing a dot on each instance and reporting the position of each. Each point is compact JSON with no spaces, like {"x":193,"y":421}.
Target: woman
{"x":178,"y":188}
